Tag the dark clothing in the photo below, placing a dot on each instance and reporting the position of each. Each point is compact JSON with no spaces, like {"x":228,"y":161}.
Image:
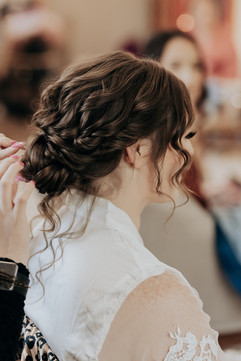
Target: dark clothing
{"x":11,"y":316}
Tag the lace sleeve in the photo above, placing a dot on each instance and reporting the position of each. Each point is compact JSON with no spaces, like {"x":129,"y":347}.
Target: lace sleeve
{"x":162,"y":320}
{"x":188,"y":348}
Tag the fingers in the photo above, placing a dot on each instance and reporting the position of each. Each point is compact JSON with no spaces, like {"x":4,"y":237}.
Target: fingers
{"x":8,"y":185}
{"x":7,"y":152}
{"x":8,"y":146}
{"x":5,"y":141}
{"x":6,"y":163}
{"x":9,"y":194}
{"x":22,"y":197}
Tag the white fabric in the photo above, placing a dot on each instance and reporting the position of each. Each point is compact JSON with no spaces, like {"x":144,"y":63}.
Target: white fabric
{"x":87,"y":286}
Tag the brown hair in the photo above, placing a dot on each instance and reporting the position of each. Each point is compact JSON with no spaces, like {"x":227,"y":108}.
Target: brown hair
{"x":94,"y":111}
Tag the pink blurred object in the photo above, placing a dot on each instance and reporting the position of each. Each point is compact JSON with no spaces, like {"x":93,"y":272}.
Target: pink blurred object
{"x":19,"y":178}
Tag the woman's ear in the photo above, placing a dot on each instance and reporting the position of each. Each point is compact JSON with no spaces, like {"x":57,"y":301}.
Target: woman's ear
{"x":130,"y":154}
{"x":136,"y":154}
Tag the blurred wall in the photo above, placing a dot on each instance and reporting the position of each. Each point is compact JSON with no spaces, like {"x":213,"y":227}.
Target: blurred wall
{"x":237,"y":28}
{"x":96,"y":26}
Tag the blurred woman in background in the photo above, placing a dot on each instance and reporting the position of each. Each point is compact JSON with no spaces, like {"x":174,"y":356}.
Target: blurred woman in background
{"x":215,"y":188}
{"x":179,"y":53}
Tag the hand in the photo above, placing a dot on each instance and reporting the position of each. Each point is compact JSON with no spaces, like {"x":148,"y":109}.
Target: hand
{"x":8,"y":146}
{"x":15,"y":232}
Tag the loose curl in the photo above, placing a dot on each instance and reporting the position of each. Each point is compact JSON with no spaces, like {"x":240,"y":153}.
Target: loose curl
{"x":91,"y":114}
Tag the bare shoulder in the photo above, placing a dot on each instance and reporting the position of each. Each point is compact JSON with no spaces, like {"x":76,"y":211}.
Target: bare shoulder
{"x":156,"y":307}
{"x":165,"y":289}
{"x":161,"y":285}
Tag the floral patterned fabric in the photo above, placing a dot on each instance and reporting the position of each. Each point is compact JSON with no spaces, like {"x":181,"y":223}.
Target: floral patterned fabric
{"x":188,"y":348}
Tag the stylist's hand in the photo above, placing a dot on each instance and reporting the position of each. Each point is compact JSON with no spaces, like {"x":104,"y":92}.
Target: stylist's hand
{"x":15,"y":233}
{"x":8,"y":146}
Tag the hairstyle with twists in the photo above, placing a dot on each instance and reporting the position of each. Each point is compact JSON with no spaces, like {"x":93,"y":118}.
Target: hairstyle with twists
{"x":94,"y":111}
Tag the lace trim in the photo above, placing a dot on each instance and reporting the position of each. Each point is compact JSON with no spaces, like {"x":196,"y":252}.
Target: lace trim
{"x":188,"y":348}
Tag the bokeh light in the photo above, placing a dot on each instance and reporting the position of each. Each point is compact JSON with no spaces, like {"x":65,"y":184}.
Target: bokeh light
{"x":185,"y":22}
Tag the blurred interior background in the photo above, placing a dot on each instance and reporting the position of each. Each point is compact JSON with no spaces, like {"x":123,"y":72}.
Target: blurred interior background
{"x":38,"y":38}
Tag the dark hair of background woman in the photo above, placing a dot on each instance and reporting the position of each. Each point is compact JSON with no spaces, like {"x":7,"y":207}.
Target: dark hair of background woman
{"x":156,"y":46}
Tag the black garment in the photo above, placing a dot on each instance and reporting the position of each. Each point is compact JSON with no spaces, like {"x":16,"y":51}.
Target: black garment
{"x":11,"y":318}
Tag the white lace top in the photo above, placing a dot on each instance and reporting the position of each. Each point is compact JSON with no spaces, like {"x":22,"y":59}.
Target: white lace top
{"x":108,"y":298}
{"x":188,"y":348}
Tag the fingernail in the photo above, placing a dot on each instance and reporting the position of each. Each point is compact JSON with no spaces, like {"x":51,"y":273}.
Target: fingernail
{"x":13,"y":142}
{"x":19,"y":145}
{"x":15,"y":156}
{"x":21,"y":163}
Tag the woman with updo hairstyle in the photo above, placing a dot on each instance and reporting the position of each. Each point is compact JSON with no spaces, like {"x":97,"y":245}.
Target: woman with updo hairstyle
{"x":111,"y":135}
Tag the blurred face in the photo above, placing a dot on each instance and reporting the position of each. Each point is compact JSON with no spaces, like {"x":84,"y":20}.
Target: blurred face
{"x":181,"y":57}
